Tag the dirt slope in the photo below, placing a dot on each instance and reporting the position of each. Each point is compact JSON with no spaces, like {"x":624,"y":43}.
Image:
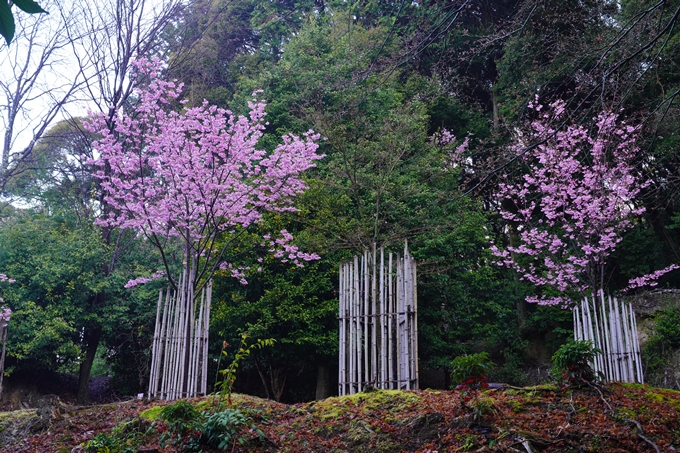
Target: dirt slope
{"x":617,"y":418}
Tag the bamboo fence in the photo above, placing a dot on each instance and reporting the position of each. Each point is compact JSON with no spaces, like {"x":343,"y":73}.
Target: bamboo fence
{"x":612,"y":328}
{"x":3,"y":340}
{"x":378,"y":322}
{"x":179,"y":360}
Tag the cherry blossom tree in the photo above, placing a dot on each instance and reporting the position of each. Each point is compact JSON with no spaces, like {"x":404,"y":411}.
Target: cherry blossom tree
{"x":572,"y":205}
{"x":196,"y":175}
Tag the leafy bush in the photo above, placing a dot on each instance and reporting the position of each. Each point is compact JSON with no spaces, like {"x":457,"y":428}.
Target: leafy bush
{"x":125,"y":438}
{"x":223,"y":429}
{"x":660,"y":351}
{"x":181,"y":423}
{"x":571,"y":362}
{"x":471,"y":370}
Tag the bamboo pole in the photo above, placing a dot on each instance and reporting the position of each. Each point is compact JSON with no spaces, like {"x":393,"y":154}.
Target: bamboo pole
{"x":374,"y":320}
{"x":636,"y":346}
{"x":625,"y":317}
{"x":154,"y":350}
{"x":341,"y":348}
{"x":383,"y":323}
{"x":415,"y":324}
{"x":607,"y":347}
{"x":390,"y":332}
{"x":364,"y":267}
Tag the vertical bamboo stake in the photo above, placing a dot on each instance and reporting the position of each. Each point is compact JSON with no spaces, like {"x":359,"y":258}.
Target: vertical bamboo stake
{"x":366,"y":376}
{"x":636,"y":346}
{"x":625,"y":317}
{"x":341,"y":349}
{"x":608,"y":345}
{"x":3,"y":338}
{"x":598,"y":336}
{"x":357,"y":326}
{"x":154,"y":350}
{"x":415,"y":325}
{"x":614,"y":329}
{"x":206,"y":333}
{"x":374,"y":320}
{"x":390,"y":333}
{"x":400,"y":320}
{"x":383,"y":324}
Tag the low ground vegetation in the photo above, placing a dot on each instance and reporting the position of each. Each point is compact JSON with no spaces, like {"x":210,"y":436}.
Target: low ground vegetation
{"x":550,"y":418}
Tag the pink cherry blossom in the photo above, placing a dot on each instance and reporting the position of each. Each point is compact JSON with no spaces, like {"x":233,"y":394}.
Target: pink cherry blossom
{"x":572,"y":206}
{"x":197,"y":174}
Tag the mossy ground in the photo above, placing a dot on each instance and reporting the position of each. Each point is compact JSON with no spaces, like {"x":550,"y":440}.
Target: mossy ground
{"x":547,"y":418}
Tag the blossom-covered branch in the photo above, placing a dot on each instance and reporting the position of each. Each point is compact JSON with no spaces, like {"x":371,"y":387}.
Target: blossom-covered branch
{"x":197,"y":174}
{"x":572,"y":205}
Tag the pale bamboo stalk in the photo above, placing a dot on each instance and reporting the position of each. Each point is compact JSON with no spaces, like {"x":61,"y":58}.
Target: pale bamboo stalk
{"x":177,"y":385}
{"x":624,"y":365}
{"x":154,"y":349}
{"x":589,"y":323}
{"x":623,"y":377}
{"x":374,"y":320}
{"x":636,"y":346}
{"x":598,"y":336}
{"x":206,"y":336}
{"x":612,"y":341}
{"x":169,"y":342}
{"x":170,"y":362}
{"x":4,"y":328}
{"x":400,"y":323}
{"x":364,"y":268}
{"x":390,"y":333}
{"x":356,"y":378}
{"x":414,"y":278}
{"x":352,"y":331}
{"x":195,"y":343}
{"x":346,"y":338}
{"x":577,"y":322}
{"x":179,"y":335}
{"x":341,"y":348}
{"x":625,"y":317}
{"x":383,"y":323}
{"x":615,"y":341}
{"x":408,"y":337}
{"x":607,"y":347}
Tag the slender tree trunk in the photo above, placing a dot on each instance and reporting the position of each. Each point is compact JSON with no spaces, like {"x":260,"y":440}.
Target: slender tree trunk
{"x":494,"y":108}
{"x":323,"y":382}
{"x":92,"y":338}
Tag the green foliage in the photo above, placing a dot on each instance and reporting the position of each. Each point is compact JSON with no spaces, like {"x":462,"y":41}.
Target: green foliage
{"x":223,"y":429}
{"x":471,"y":369}
{"x":181,"y":424}
{"x":7,"y":26}
{"x":189,"y":429}
{"x":229,"y":373}
{"x":571,"y":362}
{"x":124,"y":438}
{"x":661,"y":347}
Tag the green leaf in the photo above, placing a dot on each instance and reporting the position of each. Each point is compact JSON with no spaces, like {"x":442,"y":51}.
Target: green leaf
{"x":6,"y":21}
{"x":29,"y":6}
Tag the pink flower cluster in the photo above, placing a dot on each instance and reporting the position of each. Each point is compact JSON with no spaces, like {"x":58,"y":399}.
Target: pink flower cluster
{"x":5,"y":312}
{"x":572,"y":205}
{"x":143,"y":280}
{"x":649,"y":279}
{"x":195,"y":174}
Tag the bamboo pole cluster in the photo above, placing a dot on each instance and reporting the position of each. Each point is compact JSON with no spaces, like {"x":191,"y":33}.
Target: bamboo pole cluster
{"x":378,"y":322}
{"x":3,"y":340}
{"x":612,"y":328}
{"x":179,"y":363}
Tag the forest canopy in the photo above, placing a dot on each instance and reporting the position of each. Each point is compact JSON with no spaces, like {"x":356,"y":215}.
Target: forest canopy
{"x":526,"y":150}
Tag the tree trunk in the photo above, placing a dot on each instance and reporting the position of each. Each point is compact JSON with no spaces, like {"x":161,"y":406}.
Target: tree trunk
{"x":323,"y":381}
{"x":92,"y":337}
